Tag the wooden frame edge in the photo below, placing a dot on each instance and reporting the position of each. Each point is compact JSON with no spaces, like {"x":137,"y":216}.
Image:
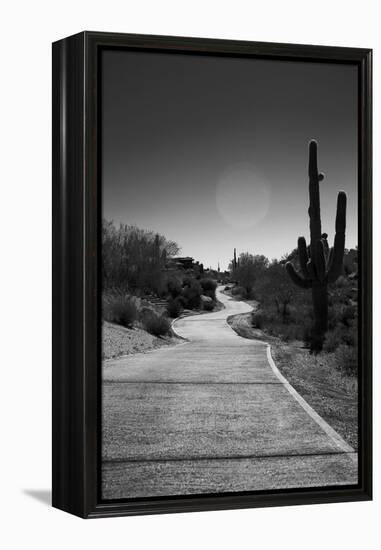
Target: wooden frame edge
{"x":75,"y":261}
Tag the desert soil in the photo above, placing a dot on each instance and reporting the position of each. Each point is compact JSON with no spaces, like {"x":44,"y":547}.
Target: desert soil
{"x":118,"y":340}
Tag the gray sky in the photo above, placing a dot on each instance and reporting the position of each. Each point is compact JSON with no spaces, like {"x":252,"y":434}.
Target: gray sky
{"x":212,"y":152}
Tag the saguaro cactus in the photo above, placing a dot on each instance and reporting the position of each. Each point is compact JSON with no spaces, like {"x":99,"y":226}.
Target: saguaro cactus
{"x":235,"y":259}
{"x":319,"y":264}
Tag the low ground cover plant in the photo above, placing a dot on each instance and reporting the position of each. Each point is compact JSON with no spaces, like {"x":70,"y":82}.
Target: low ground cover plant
{"x":174,"y":307}
{"x":157,"y":325}
{"x":120,"y":308}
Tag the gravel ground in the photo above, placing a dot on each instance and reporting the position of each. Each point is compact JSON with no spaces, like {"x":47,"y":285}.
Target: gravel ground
{"x":330,"y":392}
{"x":118,"y":340}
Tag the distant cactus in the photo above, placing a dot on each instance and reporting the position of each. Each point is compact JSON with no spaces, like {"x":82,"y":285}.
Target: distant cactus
{"x":156,"y":248}
{"x":319,"y":265}
{"x":235,"y":259}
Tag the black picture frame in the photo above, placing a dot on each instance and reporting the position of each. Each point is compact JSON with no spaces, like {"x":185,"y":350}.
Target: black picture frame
{"x":76,"y":262}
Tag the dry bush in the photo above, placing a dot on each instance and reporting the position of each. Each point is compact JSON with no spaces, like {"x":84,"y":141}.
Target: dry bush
{"x":209,"y":287}
{"x":208,"y":306}
{"x":119,"y":308}
{"x":191,"y":294}
{"x":347,"y":359}
{"x":157,"y":325}
{"x":239,"y":291}
{"x":174,"y":307}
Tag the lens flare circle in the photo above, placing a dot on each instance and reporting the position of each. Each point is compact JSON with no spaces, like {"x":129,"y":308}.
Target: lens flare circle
{"x":242,"y":196}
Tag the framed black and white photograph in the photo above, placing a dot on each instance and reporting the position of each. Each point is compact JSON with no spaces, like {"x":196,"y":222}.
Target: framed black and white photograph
{"x":212,"y":274}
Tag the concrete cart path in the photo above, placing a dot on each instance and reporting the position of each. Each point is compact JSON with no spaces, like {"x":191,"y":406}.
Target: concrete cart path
{"x":212,"y":414}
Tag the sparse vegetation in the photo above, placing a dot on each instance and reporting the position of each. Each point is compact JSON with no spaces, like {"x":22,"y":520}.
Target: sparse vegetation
{"x":249,"y":270}
{"x":285,"y":311}
{"x":346,"y":359}
{"x":239,"y":291}
{"x":208,"y":306}
{"x":155,"y":324}
{"x":143,"y":286}
{"x":120,"y":309}
{"x":209,"y":287}
{"x":191,"y":293}
{"x":133,"y":259}
{"x":174,"y":307}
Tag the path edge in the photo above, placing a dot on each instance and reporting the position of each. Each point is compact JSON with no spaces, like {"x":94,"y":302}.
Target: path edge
{"x":332,"y":434}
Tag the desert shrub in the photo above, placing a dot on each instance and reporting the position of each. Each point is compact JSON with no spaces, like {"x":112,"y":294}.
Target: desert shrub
{"x":257,"y":319}
{"x":158,"y":325}
{"x":308,"y":336}
{"x":174,"y":287}
{"x":174,"y":307}
{"x":343,"y":331}
{"x":182,"y":301}
{"x":332,"y":340}
{"x":227,"y":287}
{"x":250,"y":269}
{"x":120,"y":308}
{"x":250,"y":295}
{"x":134,"y":258}
{"x":143,"y":312}
{"x":192,"y":294}
{"x":208,"y":306}
{"x":337,"y":336}
{"x":289,"y":333}
{"x":239,"y":291}
{"x":209,"y":287}
{"x":341,"y":282}
{"x":334,"y":316}
{"x":187,"y":281}
{"x":346,"y":359}
{"x":348,"y":314}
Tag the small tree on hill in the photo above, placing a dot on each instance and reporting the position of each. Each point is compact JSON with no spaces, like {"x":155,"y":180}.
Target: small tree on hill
{"x":249,"y":269}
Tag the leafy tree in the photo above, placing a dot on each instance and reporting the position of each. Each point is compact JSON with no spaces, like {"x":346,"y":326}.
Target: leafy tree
{"x":134,"y":258}
{"x":275,"y":286}
{"x":249,"y":269}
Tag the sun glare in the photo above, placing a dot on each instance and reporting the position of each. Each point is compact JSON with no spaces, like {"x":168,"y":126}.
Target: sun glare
{"x":242,"y":196}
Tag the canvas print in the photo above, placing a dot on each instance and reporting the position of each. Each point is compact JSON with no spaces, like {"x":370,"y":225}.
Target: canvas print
{"x":229,"y":274}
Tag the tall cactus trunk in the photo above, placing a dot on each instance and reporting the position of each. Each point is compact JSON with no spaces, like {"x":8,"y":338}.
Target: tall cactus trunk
{"x":319,"y":265}
{"x":320,"y":306}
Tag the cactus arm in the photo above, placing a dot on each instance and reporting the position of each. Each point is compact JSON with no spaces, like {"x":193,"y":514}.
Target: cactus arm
{"x":303,"y":256}
{"x":341,"y":210}
{"x":296,"y":278}
{"x":312,"y":159}
{"x":324,"y":239}
{"x":339,"y":243}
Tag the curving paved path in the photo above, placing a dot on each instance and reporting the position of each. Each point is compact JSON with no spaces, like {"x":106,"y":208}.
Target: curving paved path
{"x":210,"y":415}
